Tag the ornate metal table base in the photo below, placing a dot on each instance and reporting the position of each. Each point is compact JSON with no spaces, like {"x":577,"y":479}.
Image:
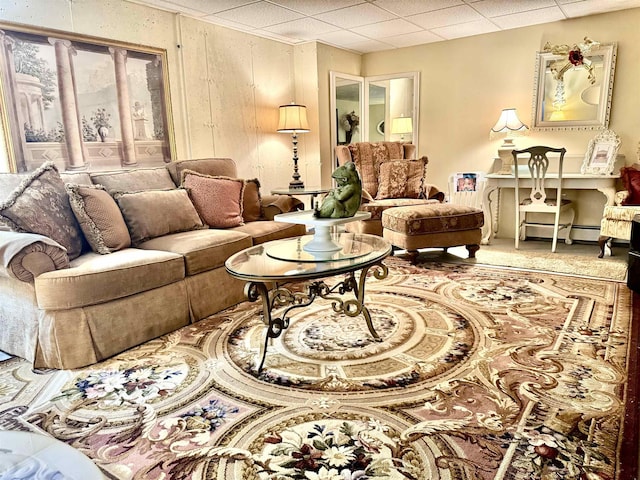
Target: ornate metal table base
{"x":283,"y":297}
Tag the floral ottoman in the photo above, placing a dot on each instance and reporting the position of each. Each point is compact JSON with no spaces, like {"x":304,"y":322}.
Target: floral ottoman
{"x":439,"y":225}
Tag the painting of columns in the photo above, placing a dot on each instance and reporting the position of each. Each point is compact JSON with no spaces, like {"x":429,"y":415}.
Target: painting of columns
{"x":84,"y":105}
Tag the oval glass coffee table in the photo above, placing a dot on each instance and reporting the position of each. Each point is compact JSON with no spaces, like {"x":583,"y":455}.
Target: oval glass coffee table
{"x":286,"y":261}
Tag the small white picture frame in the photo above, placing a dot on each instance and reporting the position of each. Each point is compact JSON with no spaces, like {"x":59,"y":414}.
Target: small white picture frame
{"x":601,"y":154}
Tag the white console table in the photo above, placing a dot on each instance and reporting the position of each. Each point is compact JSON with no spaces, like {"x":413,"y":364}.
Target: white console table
{"x":605,"y":184}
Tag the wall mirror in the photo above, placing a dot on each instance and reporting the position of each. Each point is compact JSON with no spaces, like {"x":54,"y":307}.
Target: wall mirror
{"x":386,"y":107}
{"x":347,"y":107}
{"x":573,"y":97}
{"x":392,"y":107}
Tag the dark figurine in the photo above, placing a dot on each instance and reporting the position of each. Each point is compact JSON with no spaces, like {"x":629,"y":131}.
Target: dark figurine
{"x":344,"y":200}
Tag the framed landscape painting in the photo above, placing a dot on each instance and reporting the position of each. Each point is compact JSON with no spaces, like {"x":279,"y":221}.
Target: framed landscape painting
{"x":82,"y":102}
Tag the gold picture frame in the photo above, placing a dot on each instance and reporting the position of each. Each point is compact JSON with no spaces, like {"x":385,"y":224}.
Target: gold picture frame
{"x":85,"y":103}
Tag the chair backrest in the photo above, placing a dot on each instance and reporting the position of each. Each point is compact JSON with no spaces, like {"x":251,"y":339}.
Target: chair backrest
{"x":367,"y":157}
{"x":538,"y":162}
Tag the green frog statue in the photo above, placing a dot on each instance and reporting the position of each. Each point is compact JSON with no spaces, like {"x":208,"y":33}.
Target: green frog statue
{"x":344,"y":200}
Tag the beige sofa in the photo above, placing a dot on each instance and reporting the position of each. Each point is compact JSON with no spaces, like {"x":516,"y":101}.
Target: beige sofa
{"x":379,"y":165}
{"x":62,"y":313}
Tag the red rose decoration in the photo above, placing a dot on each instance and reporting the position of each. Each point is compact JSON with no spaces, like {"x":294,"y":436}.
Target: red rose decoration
{"x":575,"y":57}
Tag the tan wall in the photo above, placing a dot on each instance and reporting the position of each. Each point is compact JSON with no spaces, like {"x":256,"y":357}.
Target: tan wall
{"x":465,"y":83}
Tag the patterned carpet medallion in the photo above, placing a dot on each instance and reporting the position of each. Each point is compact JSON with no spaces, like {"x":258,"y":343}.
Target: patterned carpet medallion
{"x":482,"y":373}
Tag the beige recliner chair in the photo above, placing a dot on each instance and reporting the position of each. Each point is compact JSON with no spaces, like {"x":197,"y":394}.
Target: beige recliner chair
{"x":616,"y":219}
{"x":378,"y":194}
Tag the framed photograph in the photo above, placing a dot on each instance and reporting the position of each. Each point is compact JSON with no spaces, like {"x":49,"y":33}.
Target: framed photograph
{"x":465,"y":182}
{"x":85,"y":103}
{"x":601,"y":154}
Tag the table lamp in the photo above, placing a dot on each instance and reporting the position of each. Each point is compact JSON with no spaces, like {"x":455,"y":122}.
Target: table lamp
{"x":293,"y":119}
{"x":401,"y":125}
{"x":507,"y":126}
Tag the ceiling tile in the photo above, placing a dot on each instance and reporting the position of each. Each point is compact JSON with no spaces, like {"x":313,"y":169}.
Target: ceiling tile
{"x":304,"y":28}
{"x":411,"y":39}
{"x":447,"y":16}
{"x":207,"y":6}
{"x":259,"y":15}
{"x":533,"y":17}
{"x":342,"y":37}
{"x":590,"y":7}
{"x":228,"y":23}
{"x":413,"y":7}
{"x":387,"y":29}
{"x":174,"y":7}
{"x":466,"y":29}
{"x":493,"y":8}
{"x":369,"y":46}
{"x":356,"y":16}
{"x":313,"y":7}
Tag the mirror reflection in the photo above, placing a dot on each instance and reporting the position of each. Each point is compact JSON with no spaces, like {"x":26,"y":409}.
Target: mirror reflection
{"x":391,"y":108}
{"x":574,"y":96}
{"x":374,"y":109}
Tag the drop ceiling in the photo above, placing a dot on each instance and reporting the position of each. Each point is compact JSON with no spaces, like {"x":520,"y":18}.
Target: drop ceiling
{"x":371,"y":25}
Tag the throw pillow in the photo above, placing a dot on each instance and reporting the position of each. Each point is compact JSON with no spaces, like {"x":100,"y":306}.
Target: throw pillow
{"x":631,"y":181}
{"x":251,"y":201}
{"x":40,"y":205}
{"x":99,"y":217}
{"x":153,"y":213}
{"x":217,"y":199}
{"x":401,"y":178}
{"x":136,"y":180}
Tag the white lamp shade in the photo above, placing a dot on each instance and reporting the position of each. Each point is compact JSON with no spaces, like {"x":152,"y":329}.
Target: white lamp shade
{"x":509,"y":124}
{"x":401,"y":125}
{"x":293,"y":118}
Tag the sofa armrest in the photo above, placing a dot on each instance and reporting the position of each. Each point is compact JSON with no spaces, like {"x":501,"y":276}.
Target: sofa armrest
{"x":273,"y":205}
{"x":433,"y":193}
{"x":24,"y":256}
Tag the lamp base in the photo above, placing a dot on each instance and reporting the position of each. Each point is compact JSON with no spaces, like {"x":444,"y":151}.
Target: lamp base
{"x":506,"y":160}
{"x":296,"y":184}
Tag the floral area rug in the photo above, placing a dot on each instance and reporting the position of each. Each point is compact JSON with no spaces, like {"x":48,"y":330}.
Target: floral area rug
{"x":482,"y":373}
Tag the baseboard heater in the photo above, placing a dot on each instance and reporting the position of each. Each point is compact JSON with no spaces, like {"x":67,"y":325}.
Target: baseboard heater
{"x":584,"y":233}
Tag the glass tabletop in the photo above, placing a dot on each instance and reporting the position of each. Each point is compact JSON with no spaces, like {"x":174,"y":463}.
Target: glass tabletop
{"x":299,"y":191}
{"x":256,"y":264}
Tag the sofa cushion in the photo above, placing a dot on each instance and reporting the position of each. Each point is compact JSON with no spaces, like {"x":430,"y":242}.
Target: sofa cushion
{"x":225,"y":167}
{"x":40,"y":205}
{"x":78,"y":178}
{"x":94,"y":278}
{"x":268,"y":230}
{"x":134,"y":180}
{"x":251,"y":201}
{"x":99,"y":217}
{"x":153,"y":213}
{"x":376,"y":207}
{"x":202,"y":249}
{"x":631,"y":181}
{"x":401,"y":178}
{"x":218,"y":200}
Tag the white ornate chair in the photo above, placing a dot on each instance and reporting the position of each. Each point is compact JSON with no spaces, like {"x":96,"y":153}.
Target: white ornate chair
{"x":537,"y":201}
